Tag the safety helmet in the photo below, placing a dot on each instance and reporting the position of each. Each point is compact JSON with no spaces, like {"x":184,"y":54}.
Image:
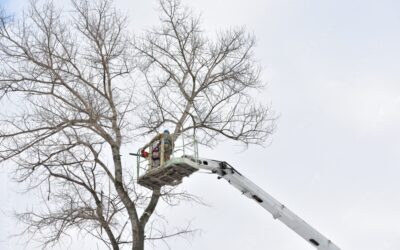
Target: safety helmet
{"x":166,"y":131}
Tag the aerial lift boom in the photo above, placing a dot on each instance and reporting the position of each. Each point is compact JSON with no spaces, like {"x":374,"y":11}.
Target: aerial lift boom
{"x":176,"y":168}
{"x":278,"y":210}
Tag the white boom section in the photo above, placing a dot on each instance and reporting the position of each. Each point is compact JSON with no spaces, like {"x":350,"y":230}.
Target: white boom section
{"x":278,"y":210}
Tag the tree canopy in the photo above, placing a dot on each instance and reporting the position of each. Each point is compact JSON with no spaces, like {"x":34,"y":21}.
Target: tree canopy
{"x":69,"y":76}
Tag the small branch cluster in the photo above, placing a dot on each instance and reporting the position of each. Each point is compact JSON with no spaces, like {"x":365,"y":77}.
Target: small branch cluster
{"x":201,"y":85}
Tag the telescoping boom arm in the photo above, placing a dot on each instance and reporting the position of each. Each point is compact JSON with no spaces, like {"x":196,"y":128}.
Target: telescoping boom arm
{"x":278,"y":210}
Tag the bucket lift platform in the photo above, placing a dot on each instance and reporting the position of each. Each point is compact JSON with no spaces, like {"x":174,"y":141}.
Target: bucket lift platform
{"x":171,"y":173}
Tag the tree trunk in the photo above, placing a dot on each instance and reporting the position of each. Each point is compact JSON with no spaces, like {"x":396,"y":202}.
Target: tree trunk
{"x":138,"y":242}
{"x":137,"y":230}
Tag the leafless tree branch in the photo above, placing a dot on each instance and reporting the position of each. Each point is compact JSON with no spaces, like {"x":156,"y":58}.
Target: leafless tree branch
{"x":201,"y":85}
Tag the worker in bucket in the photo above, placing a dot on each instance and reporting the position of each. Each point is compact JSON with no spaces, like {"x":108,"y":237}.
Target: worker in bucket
{"x":162,"y":142}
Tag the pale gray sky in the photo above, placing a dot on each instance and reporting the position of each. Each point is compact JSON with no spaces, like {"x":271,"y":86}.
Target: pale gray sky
{"x":333,"y":75}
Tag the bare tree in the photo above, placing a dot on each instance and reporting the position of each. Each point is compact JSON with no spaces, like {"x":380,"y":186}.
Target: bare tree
{"x":199,"y":84}
{"x":66,"y":77}
{"x":68,"y":74}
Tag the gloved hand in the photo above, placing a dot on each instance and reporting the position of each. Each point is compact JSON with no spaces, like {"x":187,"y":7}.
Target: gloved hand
{"x":143,"y":153}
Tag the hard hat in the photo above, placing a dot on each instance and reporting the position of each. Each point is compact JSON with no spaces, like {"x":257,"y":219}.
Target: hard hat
{"x":166,"y":131}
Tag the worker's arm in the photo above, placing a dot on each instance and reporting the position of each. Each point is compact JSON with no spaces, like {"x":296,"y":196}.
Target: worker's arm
{"x":157,"y":137}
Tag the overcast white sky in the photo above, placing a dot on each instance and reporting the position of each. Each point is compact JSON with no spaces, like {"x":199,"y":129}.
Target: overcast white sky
{"x":333,"y":73}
